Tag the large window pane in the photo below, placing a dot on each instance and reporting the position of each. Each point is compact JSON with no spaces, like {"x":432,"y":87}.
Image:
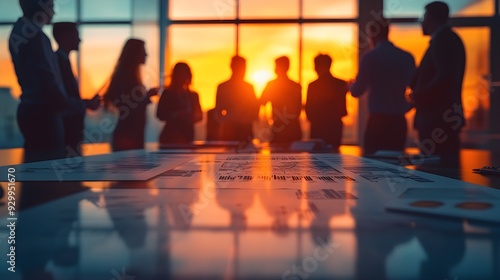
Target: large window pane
{"x":475,"y":94}
{"x":330,"y":8}
{"x":8,"y":77}
{"x":269,"y":9}
{"x":10,"y":11}
{"x":207,"y":49}
{"x":145,"y":10}
{"x":416,"y":8}
{"x":202,"y":9}
{"x":100,"y":49}
{"x":106,"y":10}
{"x":65,"y":10}
{"x":262,"y":44}
{"x":340,"y":42}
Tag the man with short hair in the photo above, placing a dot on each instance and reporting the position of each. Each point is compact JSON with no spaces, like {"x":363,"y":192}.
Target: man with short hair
{"x":285,"y":96}
{"x":326,"y":103}
{"x":437,"y":87}
{"x":67,"y":37}
{"x":236,"y":105}
{"x":43,"y":99}
{"x":385,"y":72}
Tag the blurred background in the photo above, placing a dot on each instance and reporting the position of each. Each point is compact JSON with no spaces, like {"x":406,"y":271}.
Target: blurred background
{"x":207,"y":33}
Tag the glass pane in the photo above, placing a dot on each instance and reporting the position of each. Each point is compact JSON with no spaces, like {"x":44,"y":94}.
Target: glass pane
{"x":202,"y":9}
{"x":269,"y":9}
{"x":106,"y":10}
{"x":8,"y":77}
{"x":65,"y":10}
{"x":150,"y":34}
{"x":458,"y":8}
{"x":262,"y":44}
{"x":340,"y":42}
{"x":145,"y":10}
{"x":100,"y":48}
{"x":330,"y":8}
{"x":10,"y":11}
{"x":475,"y":94}
{"x":209,"y":61}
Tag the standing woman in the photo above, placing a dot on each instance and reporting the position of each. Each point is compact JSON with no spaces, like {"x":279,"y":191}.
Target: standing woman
{"x":127,"y":94}
{"x":179,"y":107}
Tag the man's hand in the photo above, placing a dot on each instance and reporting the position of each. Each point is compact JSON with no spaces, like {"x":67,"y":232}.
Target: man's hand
{"x":94,"y":103}
{"x":152,"y":92}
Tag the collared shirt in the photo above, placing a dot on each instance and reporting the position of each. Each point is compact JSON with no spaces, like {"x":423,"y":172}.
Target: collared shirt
{"x":385,"y":72}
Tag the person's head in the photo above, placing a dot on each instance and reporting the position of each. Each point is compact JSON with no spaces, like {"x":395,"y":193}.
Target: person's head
{"x":127,"y":73}
{"x":133,"y":53}
{"x":377,"y":31}
{"x":40,"y":11}
{"x":436,"y":15}
{"x":238,"y":67}
{"x":66,"y":35}
{"x":282,"y":66}
{"x":322,"y":64}
{"x":181,"y":76}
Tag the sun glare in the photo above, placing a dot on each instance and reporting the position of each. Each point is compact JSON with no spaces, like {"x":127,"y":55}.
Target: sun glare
{"x":259,"y":80}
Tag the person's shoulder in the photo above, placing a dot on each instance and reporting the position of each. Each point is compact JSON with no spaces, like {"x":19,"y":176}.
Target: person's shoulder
{"x":338,"y":80}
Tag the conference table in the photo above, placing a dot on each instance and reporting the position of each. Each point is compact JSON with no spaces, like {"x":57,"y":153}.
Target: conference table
{"x":250,"y":214}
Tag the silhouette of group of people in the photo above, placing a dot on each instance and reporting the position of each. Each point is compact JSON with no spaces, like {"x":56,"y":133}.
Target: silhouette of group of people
{"x":51,"y":111}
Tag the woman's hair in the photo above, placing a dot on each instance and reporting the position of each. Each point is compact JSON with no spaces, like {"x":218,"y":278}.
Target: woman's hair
{"x":181,"y":76}
{"x":127,"y":74}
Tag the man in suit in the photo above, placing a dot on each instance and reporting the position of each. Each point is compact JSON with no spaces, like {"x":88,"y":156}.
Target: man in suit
{"x":437,"y":87}
{"x":67,"y":37}
{"x":326,"y":103}
{"x":236,"y":105}
{"x":43,"y":99}
{"x":286,"y":97}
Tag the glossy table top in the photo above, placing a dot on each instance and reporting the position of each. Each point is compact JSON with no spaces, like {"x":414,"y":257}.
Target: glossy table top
{"x":201,"y":228}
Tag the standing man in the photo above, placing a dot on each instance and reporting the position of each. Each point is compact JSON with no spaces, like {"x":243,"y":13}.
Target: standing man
{"x":285,"y":96}
{"x":385,"y":72}
{"x":236,"y":105}
{"x":43,"y":99}
{"x":67,"y":37}
{"x":326,"y":103}
{"x":437,"y":87}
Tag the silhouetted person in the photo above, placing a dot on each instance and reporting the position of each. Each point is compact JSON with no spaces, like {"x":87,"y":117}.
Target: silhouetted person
{"x":385,"y":72}
{"x":129,"y":96}
{"x":285,"y":96}
{"x":43,"y":100}
{"x":437,"y":87}
{"x":67,"y":37}
{"x":236,"y":105}
{"x":326,"y":103}
{"x":179,"y":107}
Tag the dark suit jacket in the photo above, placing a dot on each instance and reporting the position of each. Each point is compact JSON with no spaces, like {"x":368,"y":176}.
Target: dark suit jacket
{"x":73,"y":124}
{"x":437,"y":87}
{"x":326,"y":101}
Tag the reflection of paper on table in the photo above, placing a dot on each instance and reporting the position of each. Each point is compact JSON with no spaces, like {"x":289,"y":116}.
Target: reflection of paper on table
{"x":134,"y":165}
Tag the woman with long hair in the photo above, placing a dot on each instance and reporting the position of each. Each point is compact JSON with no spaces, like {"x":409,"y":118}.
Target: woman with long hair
{"x":127,"y":94}
{"x":179,"y":107}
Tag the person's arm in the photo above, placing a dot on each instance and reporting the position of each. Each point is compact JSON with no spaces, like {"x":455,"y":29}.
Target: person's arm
{"x":445,"y":64}
{"x":266,"y":95}
{"x":43,"y":62}
{"x":361,"y":84}
{"x":162,"y":109}
{"x":197,"y":113}
{"x":309,"y":103}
